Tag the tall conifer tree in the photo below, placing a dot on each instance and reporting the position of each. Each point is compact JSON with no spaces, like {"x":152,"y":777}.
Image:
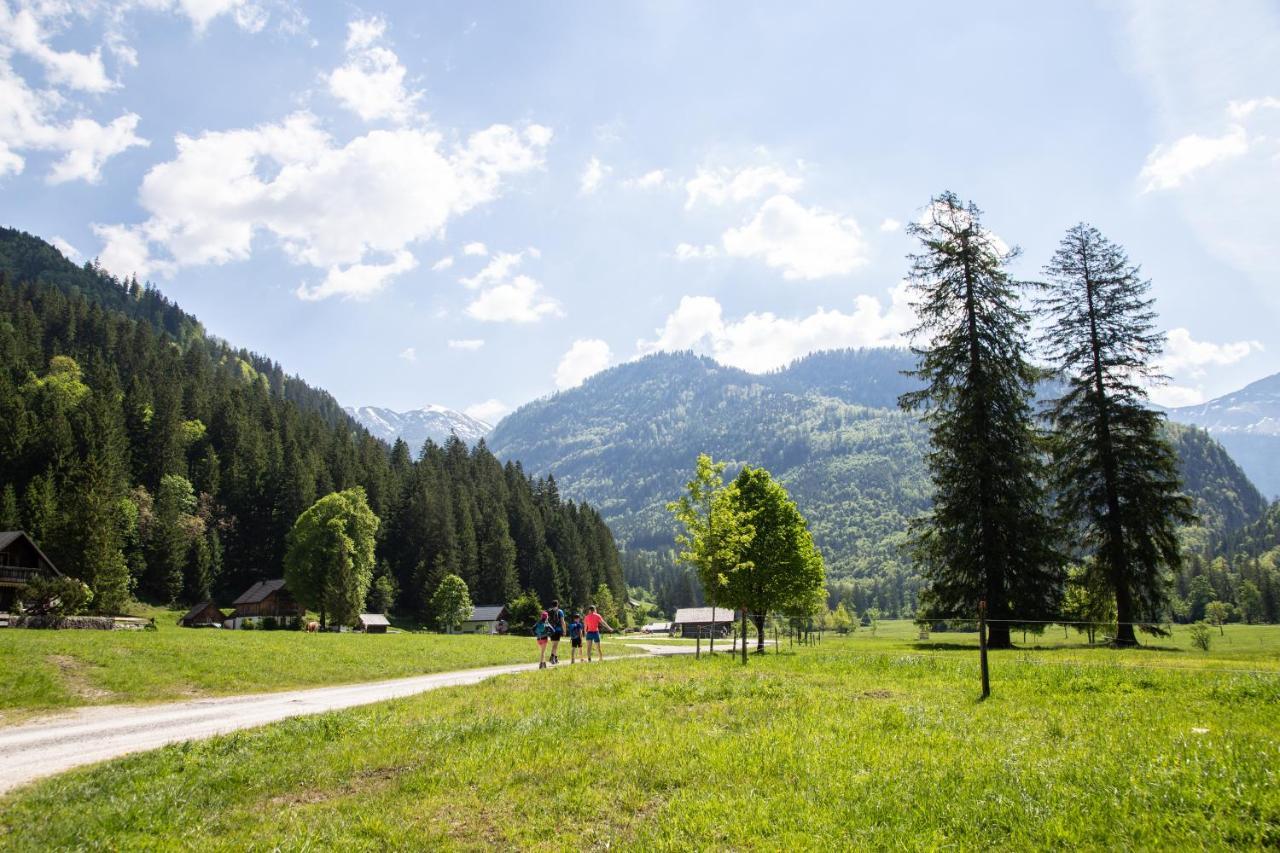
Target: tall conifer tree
{"x":1116,"y":475}
{"x":988,"y":536}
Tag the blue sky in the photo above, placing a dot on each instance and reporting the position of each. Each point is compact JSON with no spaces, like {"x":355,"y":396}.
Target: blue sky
{"x":475,"y":205}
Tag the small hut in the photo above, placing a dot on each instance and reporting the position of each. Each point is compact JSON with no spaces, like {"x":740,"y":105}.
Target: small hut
{"x":486,"y":619}
{"x":21,"y":561}
{"x":203,"y":615}
{"x":702,"y":622}
{"x":372,"y":623}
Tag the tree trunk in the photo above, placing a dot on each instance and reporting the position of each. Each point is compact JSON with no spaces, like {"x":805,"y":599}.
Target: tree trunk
{"x":759,"y":620}
{"x":998,"y":636}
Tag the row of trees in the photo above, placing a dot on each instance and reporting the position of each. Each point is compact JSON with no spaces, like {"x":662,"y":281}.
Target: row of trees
{"x":153,"y":461}
{"x":1017,"y":497}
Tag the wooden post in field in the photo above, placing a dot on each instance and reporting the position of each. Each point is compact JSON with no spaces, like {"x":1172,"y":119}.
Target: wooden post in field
{"x":744,"y":635}
{"x":712,"y":638}
{"x":697,"y":652}
{"x":982,"y":648}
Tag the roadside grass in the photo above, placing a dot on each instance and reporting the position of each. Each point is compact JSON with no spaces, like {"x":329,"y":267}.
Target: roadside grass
{"x":44,"y":670}
{"x":860,"y":742}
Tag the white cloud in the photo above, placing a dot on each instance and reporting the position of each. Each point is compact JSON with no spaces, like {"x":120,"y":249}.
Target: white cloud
{"x":721,"y":185}
{"x":586,"y":357}
{"x":490,"y":411}
{"x":29,"y":121}
{"x":647,"y":181}
{"x":763,"y":341}
{"x":23,"y":32}
{"x":1168,"y":166}
{"x":358,"y":281}
{"x":125,"y":252}
{"x":371,"y":83}
{"x":1182,"y":353}
{"x":498,"y":270}
{"x":519,"y":301}
{"x":803,"y":242}
{"x":475,"y":249}
{"x":409,"y":354}
{"x":65,"y":247}
{"x":328,"y":205}
{"x":467,"y":344}
{"x":1172,"y":396}
{"x":690,"y":252}
{"x":889,"y":225}
{"x":442,"y":264}
{"x":592,"y":176}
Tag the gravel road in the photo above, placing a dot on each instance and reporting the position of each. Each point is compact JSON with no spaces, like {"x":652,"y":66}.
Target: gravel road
{"x":97,"y":733}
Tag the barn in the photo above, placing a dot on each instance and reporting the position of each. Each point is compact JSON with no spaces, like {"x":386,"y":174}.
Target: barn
{"x":266,"y":599}
{"x":702,"y":622}
{"x":372,"y":623}
{"x":486,"y":619}
{"x":21,"y":560}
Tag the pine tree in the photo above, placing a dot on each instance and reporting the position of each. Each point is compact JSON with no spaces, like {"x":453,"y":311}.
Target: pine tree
{"x":988,"y":537}
{"x":1115,"y":474}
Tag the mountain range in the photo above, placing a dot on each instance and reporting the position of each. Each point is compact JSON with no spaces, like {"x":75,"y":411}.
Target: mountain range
{"x":416,"y":426}
{"x":827,"y":426}
{"x":1247,"y":422}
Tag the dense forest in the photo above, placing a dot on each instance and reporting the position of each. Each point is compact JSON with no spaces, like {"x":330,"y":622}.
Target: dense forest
{"x":151,"y":459}
{"x":827,"y":426}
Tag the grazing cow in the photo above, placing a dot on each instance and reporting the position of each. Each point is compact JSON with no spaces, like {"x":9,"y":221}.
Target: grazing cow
{"x":313,"y":627}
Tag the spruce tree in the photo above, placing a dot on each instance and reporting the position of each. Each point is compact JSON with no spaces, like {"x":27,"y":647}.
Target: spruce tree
{"x":1115,"y":474}
{"x":988,"y":536}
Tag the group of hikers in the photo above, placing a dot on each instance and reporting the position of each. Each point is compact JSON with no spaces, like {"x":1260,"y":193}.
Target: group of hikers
{"x":553,"y":626}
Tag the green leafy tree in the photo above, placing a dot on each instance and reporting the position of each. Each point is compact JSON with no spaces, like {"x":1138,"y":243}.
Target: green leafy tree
{"x":1249,"y":600}
{"x":1089,"y":600}
{"x":1115,"y":474}
{"x":382,"y":592}
{"x":524,"y":611}
{"x":872,"y":617}
{"x":989,"y":536}
{"x":1218,"y":612}
{"x":841,"y":621}
{"x":716,"y":529}
{"x":451,"y":603}
{"x":171,"y":531}
{"x":329,"y":562}
{"x":1200,"y":636}
{"x":607,"y":606}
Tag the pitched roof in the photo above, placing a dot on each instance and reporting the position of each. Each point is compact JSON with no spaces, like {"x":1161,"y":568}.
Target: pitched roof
{"x":487,"y":613}
{"x":197,"y":610}
{"x":8,"y":537}
{"x":259,"y":591}
{"x":703,"y":614}
{"x":367,"y":619}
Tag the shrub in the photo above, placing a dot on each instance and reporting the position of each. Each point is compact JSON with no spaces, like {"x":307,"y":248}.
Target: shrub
{"x":55,"y":596}
{"x":1200,"y":636}
{"x":269,"y":623}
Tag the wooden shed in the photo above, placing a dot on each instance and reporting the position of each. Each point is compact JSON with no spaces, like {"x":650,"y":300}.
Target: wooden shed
{"x":266,"y":599}
{"x":702,"y":621}
{"x":486,"y":619}
{"x":372,"y":623}
{"x":21,"y":560}
{"x":203,"y":615}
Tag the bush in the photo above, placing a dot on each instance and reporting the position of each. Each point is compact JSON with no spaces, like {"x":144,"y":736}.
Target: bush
{"x":1200,"y":636}
{"x":55,"y":596}
{"x":269,"y":623}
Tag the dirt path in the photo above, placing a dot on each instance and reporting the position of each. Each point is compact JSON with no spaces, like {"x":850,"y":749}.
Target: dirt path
{"x":97,"y":733}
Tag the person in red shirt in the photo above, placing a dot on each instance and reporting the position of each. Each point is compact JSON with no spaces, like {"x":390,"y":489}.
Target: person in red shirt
{"x":593,"y":622}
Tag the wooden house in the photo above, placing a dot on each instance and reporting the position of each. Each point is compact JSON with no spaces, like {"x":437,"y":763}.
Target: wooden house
{"x":486,"y":619}
{"x":266,"y":599}
{"x":703,"y":622}
{"x":203,"y":615}
{"x":372,"y":623}
{"x":21,"y":560}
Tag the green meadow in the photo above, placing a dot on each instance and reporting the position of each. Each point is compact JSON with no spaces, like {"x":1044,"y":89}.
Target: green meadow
{"x":49,"y":670}
{"x":856,"y":742}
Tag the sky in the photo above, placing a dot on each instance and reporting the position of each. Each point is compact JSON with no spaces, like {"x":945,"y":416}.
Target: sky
{"x":479,"y":204}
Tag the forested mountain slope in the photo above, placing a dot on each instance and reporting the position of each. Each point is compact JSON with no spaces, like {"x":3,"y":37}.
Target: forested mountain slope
{"x":1247,"y":422}
{"x":149,"y":458}
{"x":826,"y":426}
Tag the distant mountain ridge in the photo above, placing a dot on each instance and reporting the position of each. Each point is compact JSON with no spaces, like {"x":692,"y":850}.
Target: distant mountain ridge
{"x":417,"y":425}
{"x":1247,"y":423}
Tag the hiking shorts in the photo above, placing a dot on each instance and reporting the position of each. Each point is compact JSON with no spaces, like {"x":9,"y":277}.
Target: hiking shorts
{"x":556,"y":635}
{"x":576,"y":642}
{"x":593,"y":636}
{"x":542,"y":641}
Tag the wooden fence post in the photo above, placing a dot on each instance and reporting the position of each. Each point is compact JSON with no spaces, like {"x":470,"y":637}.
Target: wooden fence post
{"x":982,"y":648}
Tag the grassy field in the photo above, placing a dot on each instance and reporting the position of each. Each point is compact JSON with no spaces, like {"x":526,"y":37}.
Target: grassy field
{"x":48,"y":670}
{"x":857,"y":742}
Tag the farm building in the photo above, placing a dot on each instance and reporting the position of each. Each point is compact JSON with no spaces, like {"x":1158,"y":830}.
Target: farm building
{"x":487,"y":619}
{"x":702,"y":621}
{"x":21,"y":560}
{"x":266,"y":599}
{"x":203,"y":615}
{"x":372,"y":623}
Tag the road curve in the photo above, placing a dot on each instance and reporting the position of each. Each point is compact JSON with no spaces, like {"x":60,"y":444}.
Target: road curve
{"x":97,"y":733}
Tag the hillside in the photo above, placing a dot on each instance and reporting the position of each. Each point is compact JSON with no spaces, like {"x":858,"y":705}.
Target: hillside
{"x":149,"y":458}
{"x":1247,"y":423}
{"x":627,"y":438}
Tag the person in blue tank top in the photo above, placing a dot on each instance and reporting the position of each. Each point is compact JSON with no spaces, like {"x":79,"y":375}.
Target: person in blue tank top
{"x":542,"y":630}
{"x":575,"y":638}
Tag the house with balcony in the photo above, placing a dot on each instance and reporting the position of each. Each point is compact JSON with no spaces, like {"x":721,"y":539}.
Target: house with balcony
{"x":21,"y":560}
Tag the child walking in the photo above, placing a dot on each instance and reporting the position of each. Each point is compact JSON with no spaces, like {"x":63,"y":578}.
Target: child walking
{"x":575,"y":639}
{"x":593,"y":622}
{"x":542,"y":630}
